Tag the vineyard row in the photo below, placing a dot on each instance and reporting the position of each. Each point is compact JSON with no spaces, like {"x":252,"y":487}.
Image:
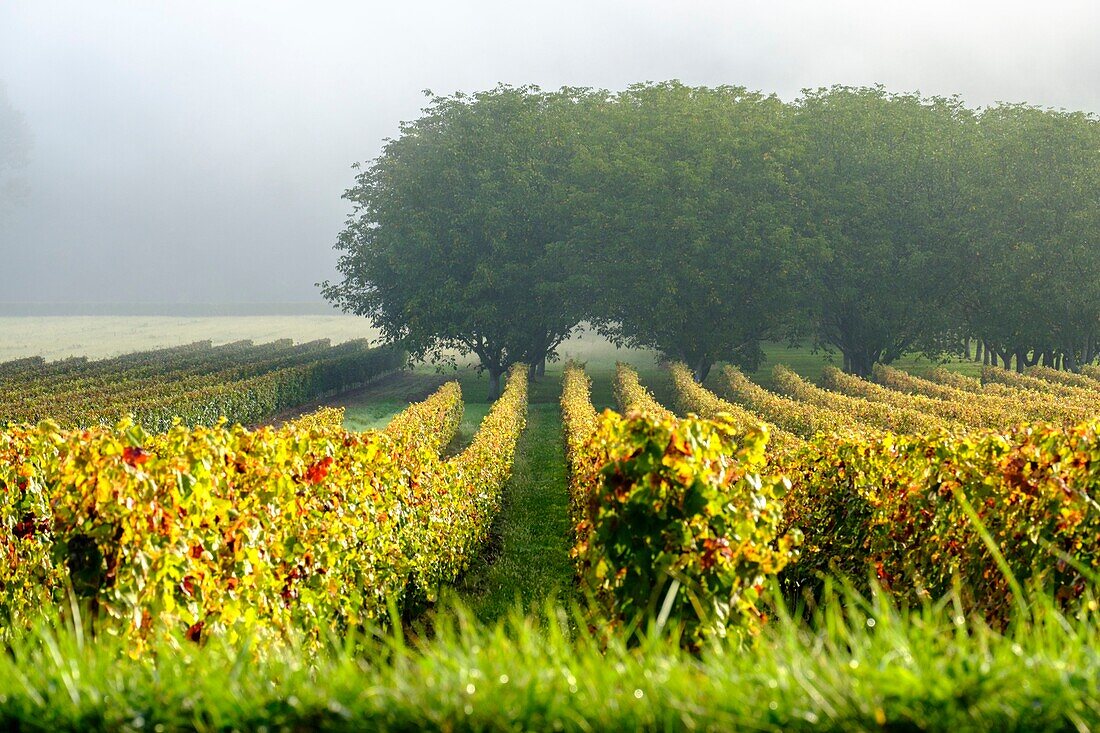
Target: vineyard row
{"x":714,"y":503}
{"x":301,"y":531}
{"x":198,"y":385}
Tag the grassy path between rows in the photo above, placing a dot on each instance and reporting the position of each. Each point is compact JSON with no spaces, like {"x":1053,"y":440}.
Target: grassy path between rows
{"x":528,"y":560}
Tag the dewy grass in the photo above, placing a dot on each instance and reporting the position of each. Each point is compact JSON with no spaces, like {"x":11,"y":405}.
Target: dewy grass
{"x":857,"y":665}
{"x":530,"y":560}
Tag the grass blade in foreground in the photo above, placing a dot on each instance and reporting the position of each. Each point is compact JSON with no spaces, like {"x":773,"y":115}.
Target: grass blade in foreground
{"x":858,"y":666}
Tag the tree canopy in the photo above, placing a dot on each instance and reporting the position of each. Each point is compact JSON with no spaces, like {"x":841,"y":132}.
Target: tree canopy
{"x":878,"y":176}
{"x":702,"y":221}
{"x":1033,"y":258}
{"x":685,"y":216}
{"x":452,"y":242}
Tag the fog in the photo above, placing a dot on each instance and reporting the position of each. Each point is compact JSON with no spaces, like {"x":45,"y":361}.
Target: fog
{"x":196,"y":152}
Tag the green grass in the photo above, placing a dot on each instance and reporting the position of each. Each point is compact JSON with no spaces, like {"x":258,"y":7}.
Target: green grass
{"x":374,"y":406}
{"x":857,"y":666}
{"x":528,"y":562}
{"x":472,"y":415}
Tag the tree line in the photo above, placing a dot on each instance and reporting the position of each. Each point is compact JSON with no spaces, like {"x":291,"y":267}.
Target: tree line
{"x":703,"y":221}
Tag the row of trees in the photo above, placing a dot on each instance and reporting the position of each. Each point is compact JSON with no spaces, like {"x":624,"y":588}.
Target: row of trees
{"x":702,"y":221}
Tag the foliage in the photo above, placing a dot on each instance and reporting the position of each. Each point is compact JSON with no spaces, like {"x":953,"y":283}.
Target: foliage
{"x":1066,"y":393}
{"x":300,"y":530}
{"x":1069,"y":379}
{"x":631,"y":396}
{"x":901,"y":389}
{"x":900,"y":506}
{"x":1031,"y":261}
{"x":433,"y":422}
{"x":322,"y":418}
{"x":691,"y":397}
{"x":800,"y":418}
{"x":679,"y":525}
{"x":453,"y":240}
{"x":878,"y":174}
{"x":457,"y":501}
{"x":701,"y":221}
{"x":198,"y":384}
{"x":1035,"y":406}
{"x":961,"y":382}
{"x":896,"y":418}
{"x":579,"y":422}
{"x":685,"y":202}
{"x":920,"y":511}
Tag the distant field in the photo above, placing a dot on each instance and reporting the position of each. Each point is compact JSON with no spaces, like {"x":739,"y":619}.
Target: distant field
{"x":56,"y":337}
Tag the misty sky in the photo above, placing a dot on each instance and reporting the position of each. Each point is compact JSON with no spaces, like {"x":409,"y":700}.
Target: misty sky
{"x":197,"y":151}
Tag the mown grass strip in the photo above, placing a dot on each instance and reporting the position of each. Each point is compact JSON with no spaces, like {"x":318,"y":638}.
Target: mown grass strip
{"x":529,"y":560}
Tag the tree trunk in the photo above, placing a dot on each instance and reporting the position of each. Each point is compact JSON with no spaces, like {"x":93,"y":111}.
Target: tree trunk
{"x":966,"y":347}
{"x":986,"y":354}
{"x":1070,"y":357}
{"x":494,"y":383}
{"x":702,"y":369}
{"x":540,"y":369}
{"x":859,"y":363}
{"x":979,"y":351}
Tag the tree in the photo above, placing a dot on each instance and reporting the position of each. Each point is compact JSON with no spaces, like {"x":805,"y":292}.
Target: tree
{"x":452,"y":242}
{"x":878,"y":176}
{"x":687,"y":221}
{"x":15,"y":144}
{"x":1033,"y":255}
